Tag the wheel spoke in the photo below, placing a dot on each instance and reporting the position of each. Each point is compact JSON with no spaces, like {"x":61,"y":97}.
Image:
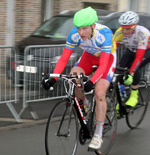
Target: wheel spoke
{"x":62,"y":130}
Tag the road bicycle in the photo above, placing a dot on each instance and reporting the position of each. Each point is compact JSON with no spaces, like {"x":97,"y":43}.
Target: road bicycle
{"x":67,"y":124}
{"x":62,"y":129}
{"x":134,"y":115}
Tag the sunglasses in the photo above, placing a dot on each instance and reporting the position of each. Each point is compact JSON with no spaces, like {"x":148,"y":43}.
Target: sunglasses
{"x":128,"y":29}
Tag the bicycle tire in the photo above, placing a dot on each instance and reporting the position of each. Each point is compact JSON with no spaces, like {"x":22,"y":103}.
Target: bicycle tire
{"x":64,"y":140}
{"x":110,"y":126}
{"x":136,"y":116}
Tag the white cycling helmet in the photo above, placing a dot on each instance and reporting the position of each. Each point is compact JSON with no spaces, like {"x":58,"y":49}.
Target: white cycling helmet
{"x":128,"y":19}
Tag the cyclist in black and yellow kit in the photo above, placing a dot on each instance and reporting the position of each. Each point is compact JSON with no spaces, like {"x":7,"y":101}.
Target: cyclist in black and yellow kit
{"x":136,"y":39}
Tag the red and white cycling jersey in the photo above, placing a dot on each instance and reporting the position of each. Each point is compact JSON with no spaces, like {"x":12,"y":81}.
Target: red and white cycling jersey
{"x":100,"y":47}
{"x":138,"y":42}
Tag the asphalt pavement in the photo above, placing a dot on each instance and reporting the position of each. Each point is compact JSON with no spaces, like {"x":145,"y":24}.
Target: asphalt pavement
{"x":27,"y":138}
{"x":8,"y":122}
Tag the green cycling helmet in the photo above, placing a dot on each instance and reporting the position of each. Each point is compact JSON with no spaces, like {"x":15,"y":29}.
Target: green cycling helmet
{"x":85,"y":17}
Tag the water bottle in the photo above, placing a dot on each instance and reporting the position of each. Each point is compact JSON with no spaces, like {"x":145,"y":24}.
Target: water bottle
{"x":123,"y":91}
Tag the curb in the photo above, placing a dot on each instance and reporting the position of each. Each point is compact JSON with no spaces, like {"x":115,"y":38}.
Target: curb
{"x":22,"y":125}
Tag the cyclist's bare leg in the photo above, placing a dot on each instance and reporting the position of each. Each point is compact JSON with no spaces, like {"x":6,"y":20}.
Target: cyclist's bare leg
{"x":101,"y":107}
{"x":135,"y":86}
{"x":78,"y":91}
{"x":100,"y":94}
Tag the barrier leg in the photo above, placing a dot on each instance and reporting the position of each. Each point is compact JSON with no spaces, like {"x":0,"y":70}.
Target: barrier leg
{"x":14,"y":112}
{"x":32,"y":112}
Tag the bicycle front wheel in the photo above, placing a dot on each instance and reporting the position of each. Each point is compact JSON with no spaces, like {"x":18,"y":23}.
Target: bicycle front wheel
{"x":61,"y":135}
{"x":136,"y":115}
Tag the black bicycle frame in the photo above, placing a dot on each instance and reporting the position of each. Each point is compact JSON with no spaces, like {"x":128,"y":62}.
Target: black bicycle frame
{"x":81,"y":118}
{"x":119,"y":98}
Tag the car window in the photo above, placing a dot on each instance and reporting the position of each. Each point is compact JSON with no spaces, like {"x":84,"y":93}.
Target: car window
{"x":113,"y":24}
{"x":101,"y":21}
{"x":64,"y":30}
{"x":57,"y":27}
{"x":144,"y":21}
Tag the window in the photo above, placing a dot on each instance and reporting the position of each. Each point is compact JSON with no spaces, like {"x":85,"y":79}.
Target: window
{"x":113,"y":24}
{"x":145,"y":21}
{"x":104,"y":6}
{"x":57,"y":27}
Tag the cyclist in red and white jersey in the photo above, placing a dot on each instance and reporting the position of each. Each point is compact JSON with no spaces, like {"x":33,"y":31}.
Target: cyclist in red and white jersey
{"x":99,"y":49}
{"x":136,"y":39}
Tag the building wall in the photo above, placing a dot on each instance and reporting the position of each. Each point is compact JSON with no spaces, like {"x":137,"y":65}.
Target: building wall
{"x":79,"y":4}
{"x":28,"y":14}
{"x":2,"y":21}
{"x":61,"y":5}
{"x":142,"y":5}
{"x":122,"y":5}
{"x":28,"y":17}
{"x":139,"y":5}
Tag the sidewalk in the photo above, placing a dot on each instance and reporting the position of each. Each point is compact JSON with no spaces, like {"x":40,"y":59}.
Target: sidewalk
{"x":42,"y":109}
{"x":8,"y":122}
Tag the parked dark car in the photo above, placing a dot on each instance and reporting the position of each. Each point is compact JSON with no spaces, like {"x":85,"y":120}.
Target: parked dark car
{"x":55,"y":31}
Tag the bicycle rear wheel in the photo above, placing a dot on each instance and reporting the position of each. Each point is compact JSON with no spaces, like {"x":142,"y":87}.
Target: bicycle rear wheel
{"x":110,"y":125}
{"x":136,"y":115}
{"x":61,"y":135}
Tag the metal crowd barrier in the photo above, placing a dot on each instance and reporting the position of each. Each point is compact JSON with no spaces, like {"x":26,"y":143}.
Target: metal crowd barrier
{"x":39,"y":59}
{"x":27,"y":69}
{"x":8,"y":91}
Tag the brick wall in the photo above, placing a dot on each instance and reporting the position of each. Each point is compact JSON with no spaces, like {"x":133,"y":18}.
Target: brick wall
{"x":69,"y":4}
{"x":79,"y":4}
{"x":28,"y":17}
{"x":2,"y":21}
{"x":28,"y":14}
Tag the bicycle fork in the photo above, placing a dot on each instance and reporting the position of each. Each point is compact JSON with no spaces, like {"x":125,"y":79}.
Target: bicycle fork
{"x":67,"y":134}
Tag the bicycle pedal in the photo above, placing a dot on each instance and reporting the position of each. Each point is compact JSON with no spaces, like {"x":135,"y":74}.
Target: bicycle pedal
{"x":129,"y":109}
